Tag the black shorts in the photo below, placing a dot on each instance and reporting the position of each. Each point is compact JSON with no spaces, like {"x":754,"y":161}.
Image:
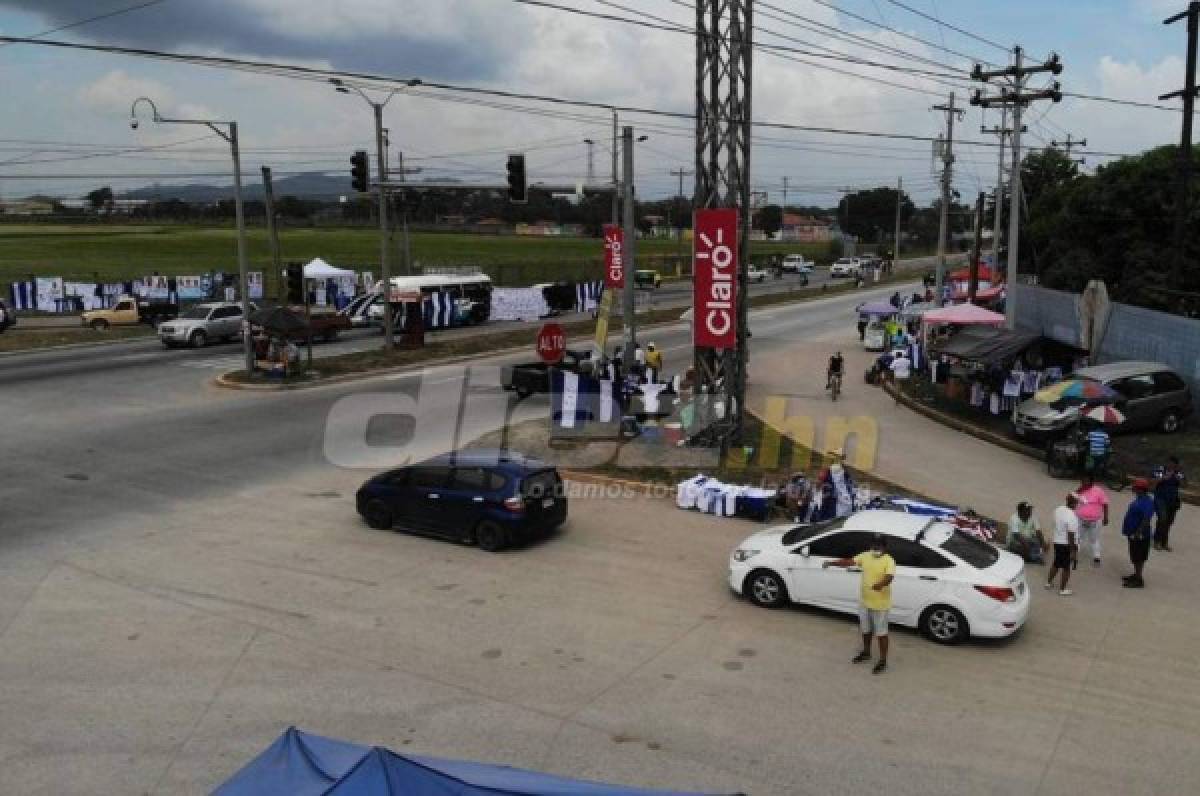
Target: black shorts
{"x":1139,"y":550}
{"x":1062,"y":556}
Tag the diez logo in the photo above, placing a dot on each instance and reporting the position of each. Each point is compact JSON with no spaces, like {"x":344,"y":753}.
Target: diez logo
{"x":715,"y":267}
{"x":614,"y":256}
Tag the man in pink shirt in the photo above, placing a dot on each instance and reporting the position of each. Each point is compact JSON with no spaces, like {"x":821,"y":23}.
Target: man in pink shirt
{"x":1092,"y":511}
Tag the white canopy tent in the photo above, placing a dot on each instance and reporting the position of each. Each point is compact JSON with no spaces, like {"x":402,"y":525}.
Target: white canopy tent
{"x":319,"y":269}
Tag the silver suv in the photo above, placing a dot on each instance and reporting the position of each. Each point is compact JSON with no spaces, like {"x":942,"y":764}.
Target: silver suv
{"x":202,"y":324}
{"x":1152,"y":396}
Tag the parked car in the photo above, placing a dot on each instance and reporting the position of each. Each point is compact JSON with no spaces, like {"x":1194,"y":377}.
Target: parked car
{"x":647,"y":278}
{"x":529,"y":378}
{"x":796,"y":264}
{"x":755,"y":274}
{"x":203,"y":324}
{"x":948,"y":585}
{"x":1152,"y":396}
{"x":845,"y":267}
{"x":130,"y":311}
{"x":491,"y":498}
{"x":7,"y":317}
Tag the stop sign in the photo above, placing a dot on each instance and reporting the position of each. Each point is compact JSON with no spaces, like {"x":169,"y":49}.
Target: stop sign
{"x":551,"y":343}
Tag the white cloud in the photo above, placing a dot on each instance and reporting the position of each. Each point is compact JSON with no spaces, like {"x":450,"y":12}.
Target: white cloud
{"x":115,"y":91}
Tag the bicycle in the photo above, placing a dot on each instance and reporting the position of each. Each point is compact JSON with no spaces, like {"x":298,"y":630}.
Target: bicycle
{"x":835,"y":385}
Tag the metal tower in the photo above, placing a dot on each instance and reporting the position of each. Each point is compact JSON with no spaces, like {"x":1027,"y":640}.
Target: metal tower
{"x":724,"y":39}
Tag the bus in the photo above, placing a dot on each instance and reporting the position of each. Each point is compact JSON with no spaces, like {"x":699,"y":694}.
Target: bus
{"x":471,"y":293}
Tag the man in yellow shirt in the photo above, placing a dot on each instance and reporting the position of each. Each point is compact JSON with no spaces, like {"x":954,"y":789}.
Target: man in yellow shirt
{"x":878,"y":571}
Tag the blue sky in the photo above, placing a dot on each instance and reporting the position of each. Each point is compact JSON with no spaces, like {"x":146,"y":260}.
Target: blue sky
{"x":73,"y":107}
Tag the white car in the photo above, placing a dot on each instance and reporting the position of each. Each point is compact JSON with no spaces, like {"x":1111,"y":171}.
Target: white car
{"x":796,"y":264}
{"x":845,"y":267}
{"x":755,"y":274}
{"x":948,"y":585}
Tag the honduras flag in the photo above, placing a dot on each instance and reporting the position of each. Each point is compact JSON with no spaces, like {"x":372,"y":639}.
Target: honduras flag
{"x":580,"y":401}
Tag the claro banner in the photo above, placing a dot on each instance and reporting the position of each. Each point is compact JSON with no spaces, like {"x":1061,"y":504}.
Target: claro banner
{"x":614,"y":256}
{"x":715,"y":266}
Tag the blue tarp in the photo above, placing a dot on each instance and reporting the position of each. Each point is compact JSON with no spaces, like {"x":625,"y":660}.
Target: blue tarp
{"x":302,"y":764}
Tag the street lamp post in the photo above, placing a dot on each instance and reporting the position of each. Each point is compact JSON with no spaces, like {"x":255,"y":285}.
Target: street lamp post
{"x":230,"y":134}
{"x":385,"y":268}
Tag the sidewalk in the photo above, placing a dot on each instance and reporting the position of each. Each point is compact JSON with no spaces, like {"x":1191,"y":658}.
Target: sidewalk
{"x":912,"y":450}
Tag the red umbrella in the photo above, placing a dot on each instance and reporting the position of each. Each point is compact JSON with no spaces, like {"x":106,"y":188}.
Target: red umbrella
{"x":1106,"y":415}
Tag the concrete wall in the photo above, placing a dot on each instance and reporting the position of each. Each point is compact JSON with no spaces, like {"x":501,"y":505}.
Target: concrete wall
{"x":1132,"y":332}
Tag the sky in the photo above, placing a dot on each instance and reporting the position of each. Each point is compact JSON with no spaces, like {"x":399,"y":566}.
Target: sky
{"x":66,"y":129}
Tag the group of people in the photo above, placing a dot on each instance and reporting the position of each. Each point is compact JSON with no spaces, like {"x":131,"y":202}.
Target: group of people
{"x":1079,"y":524}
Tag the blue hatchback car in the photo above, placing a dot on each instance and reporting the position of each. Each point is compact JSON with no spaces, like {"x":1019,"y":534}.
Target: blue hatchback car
{"x":491,"y":498}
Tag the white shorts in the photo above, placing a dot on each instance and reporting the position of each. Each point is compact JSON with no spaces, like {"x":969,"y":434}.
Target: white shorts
{"x":874,"y":623}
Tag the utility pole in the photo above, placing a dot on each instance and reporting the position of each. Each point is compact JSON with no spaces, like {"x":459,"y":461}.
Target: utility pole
{"x":1070,"y":144}
{"x":628,"y":312}
{"x":591,"y":160}
{"x":1183,"y":175}
{"x":408,"y":265}
{"x":1004,"y":132}
{"x":273,"y":236}
{"x":680,"y":173}
{"x":899,"y":205}
{"x":385,"y":265}
{"x":1013,"y":94}
{"x":973,"y":284}
{"x":951,"y":112}
{"x":616,"y":195}
{"x":785,"y":192}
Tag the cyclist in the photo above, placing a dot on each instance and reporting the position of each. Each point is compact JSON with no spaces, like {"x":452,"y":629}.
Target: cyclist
{"x":836,"y":364}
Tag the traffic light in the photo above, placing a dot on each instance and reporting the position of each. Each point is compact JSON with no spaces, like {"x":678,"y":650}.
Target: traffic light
{"x":360,"y":171}
{"x":295,"y":283}
{"x":518,"y":191}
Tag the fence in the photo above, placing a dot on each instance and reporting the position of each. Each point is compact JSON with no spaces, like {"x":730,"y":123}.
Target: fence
{"x":1131,"y":333}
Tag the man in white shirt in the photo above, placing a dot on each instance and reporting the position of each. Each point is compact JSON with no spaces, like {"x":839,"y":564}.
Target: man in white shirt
{"x":902,"y":366}
{"x":1066,"y":532}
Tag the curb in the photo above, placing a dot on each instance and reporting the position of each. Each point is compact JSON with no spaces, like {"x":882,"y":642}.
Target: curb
{"x":71,"y":346}
{"x":223,"y":381}
{"x":646,"y":487}
{"x":937,"y":416}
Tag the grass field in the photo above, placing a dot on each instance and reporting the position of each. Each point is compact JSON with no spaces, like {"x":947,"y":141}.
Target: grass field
{"x":117,"y":252}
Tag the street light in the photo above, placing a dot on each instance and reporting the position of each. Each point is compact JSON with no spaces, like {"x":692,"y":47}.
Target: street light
{"x":385,"y":267}
{"x":230,"y":134}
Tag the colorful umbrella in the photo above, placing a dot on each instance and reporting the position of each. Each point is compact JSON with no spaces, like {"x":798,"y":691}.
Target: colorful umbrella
{"x":1085,"y":390}
{"x":1106,"y":415}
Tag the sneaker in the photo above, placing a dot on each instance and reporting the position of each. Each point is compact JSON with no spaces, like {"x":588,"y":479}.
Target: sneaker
{"x":1065,"y":592}
{"x":1134,"y":583}
{"x":1095,"y":562}
{"x":860,"y":657}
{"x":1167,"y":549}
{"x":1047,"y":586}
{"x":880,"y":668}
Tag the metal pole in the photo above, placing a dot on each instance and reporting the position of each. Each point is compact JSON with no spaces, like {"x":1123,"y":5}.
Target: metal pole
{"x":408,"y":264}
{"x":627,"y":311}
{"x":785,"y":187}
{"x":1014,"y":207}
{"x":239,"y":213}
{"x":999,"y":190}
{"x":899,"y":205}
{"x":273,"y":236}
{"x":1185,"y":144}
{"x":973,"y":284}
{"x":944,"y":224}
{"x":616,"y":214}
{"x":384,"y":260}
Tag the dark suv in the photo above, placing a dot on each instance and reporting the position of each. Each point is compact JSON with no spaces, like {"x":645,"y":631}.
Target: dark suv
{"x":491,"y":498}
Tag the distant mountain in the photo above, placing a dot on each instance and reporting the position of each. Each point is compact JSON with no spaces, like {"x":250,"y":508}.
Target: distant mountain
{"x":316,"y":185}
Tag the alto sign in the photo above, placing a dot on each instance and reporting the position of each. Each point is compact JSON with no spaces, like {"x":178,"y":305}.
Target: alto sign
{"x":614,"y":256}
{"x":715,"y":275}
{"x":551,"y":343}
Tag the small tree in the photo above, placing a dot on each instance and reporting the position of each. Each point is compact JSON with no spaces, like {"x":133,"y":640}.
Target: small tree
{"x":101,"y":198}
{"x":769,"y":220}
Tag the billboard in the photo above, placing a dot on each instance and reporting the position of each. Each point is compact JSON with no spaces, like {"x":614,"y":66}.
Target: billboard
{"x":715,"y":269}
{"x":614,"y":256}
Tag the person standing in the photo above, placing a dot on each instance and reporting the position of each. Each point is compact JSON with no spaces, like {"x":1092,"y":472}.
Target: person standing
{"x":1166,"y":502}
{"x":1025,"y":535}
{"x":1066,"y":532}
{"x":862,"y":328}
{"x":878,"y":572}
{"x":1136,"y":528}
{"x":1092,"y":510}
{"x":654,"y":362}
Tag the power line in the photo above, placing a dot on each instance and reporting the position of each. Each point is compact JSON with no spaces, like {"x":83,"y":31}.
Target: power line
{"x":946,"y":25}
{"x":896,"y":32}
{"x":97,"y":18}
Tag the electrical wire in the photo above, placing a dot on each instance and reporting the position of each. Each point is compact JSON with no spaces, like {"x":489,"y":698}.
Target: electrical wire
{"x":946,"y":25}
{"x":97,"y":18}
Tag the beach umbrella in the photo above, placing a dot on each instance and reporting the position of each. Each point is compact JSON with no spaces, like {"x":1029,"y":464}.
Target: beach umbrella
{"x":1106,"y":415}
{"x":1080,"y":390}
{"x":278,"y":320}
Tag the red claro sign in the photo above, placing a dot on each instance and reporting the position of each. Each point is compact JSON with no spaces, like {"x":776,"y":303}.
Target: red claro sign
{"x":551,"y":343}
{"x":614,"y":256}
{"x":715,"y":267}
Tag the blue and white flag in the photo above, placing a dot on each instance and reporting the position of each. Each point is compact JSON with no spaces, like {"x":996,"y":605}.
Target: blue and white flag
{"x":580,"y":401}
{"x":24,"y":296}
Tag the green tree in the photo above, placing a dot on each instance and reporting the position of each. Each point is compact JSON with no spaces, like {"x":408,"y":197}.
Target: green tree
{"x":101,"y":198}
{"x":769,"y":219}
{"x":871,"y":215}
